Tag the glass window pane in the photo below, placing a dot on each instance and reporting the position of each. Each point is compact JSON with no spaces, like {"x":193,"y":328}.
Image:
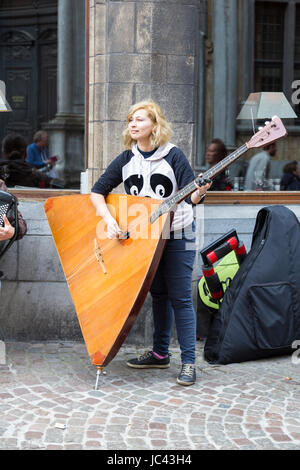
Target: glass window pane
{"x":269,"y":39}
{"x":297,"y":59}
{"x":269,"y":24}
{"x":297,"y":35}
{"x":268,"y":78}
{"x":40,"y":86}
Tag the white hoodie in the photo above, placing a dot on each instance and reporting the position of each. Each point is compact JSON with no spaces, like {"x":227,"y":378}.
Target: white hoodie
{"x":155,"y":177}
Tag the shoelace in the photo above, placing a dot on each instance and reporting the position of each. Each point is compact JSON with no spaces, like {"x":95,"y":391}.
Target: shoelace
{"x":148,"y":354}
{"x":145,"y":355}
{"x":188,"y":369}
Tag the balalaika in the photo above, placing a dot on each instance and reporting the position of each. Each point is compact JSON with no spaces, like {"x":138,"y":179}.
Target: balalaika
{"x":109,"y":279}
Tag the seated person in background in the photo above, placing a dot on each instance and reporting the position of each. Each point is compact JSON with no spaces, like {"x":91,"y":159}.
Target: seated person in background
{"x":215,"y":153}
{"x":8,"y":230}
{"x":259,"y":164}
{"x":290,"y":180}
{"x":38,"y":154}
{"x":13,"y":168}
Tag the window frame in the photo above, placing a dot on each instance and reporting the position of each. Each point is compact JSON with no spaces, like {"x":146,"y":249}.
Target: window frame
{"x":248,"y":59}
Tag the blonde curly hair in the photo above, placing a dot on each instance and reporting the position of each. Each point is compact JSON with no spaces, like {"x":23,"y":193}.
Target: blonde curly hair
{"x":161,"y":133}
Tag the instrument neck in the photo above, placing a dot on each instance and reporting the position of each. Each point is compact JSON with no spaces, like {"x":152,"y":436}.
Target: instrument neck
{"x":209,"y":174}
{"x":183,"y":193}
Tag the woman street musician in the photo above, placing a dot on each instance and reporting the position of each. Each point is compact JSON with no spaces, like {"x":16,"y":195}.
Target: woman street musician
{"x":151,"y":166}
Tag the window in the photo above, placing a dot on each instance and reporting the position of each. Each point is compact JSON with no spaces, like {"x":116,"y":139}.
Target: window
{"x":297,"y":56}
{"x":269,"y":40}
{"x":276,"y":52}
{"x":270,"y":54}
{"x":45,"y":81}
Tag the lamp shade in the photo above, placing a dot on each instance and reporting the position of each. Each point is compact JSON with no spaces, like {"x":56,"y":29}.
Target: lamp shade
{"x":265,"y":105}
{"x":4,"y":106}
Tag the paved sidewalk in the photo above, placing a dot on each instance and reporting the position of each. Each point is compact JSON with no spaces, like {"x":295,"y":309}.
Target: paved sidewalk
{"x":48,"y":401}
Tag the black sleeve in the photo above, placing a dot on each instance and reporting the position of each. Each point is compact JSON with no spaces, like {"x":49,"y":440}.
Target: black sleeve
{"x":112,"y":176}
{"x":183,"y":172}
{"x":286,"y":181}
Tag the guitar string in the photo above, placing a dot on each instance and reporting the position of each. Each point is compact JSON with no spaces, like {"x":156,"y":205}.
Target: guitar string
{"x":183,"y":193}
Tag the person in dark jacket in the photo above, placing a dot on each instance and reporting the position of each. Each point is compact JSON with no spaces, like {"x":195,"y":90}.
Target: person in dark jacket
{"x":13,"y":168}
{"x":38,"y":154}
{"x":216,"y":152}
{"x":290,"y":180}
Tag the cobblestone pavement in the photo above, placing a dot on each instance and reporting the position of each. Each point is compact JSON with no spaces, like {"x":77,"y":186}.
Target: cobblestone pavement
{"x":48,"y":401}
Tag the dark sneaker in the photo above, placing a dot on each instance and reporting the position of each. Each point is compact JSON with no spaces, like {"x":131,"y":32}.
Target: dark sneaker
{"x":148,"y":360}
{"x":187,"y":375}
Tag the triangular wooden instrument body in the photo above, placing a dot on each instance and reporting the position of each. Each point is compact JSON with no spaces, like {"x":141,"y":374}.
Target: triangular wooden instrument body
{"x":108,"y":279}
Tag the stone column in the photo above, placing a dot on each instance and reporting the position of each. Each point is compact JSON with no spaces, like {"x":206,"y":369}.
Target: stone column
{"x":64,"y":70}
{"x":139,"y":50}
{"x":64,"y":83}
{"x":201,"y":117}
{"x":96,"y":89}
{"x":225,"y":38}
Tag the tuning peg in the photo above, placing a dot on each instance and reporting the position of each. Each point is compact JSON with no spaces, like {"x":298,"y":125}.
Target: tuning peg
{"x":260,"y":128}
{"x":267,"y":122}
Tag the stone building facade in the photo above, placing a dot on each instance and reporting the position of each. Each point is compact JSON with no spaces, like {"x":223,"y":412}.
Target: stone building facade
{"x":141,"y":50}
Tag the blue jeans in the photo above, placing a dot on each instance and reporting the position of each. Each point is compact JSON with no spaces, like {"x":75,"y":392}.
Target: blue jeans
{"x":171,"y":292}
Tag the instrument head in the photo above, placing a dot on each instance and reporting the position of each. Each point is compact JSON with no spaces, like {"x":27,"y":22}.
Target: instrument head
{"x":272,"y":131}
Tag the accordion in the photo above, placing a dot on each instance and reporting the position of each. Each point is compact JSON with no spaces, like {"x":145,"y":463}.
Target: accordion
{"x":8,"y":202}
